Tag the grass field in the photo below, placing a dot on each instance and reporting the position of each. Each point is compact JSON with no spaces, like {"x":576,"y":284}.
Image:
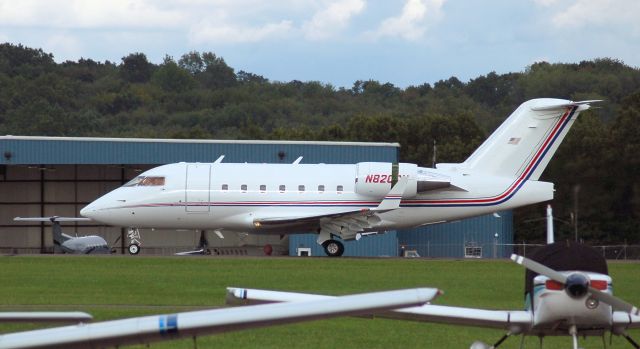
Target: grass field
{"x":111,"y":287}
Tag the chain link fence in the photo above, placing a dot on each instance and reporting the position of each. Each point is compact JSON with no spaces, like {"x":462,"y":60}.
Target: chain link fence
{"x":489,"y":250}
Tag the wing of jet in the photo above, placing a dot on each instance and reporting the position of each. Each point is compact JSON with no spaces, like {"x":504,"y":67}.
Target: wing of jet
{"x":513,"y":321}
{"x":148,"y":329}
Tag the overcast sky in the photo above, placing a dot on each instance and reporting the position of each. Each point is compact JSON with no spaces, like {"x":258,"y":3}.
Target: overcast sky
{"x":405,"y":42}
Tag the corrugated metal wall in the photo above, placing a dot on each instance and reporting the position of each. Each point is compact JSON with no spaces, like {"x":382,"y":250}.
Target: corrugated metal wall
{"x":383,"y":245}
{"x":450,"y":239}
{"x":23,"y":150}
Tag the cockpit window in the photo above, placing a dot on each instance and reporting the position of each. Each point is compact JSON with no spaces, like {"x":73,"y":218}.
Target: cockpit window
{"x":134,"y":182}
{"x":152,"y":181}
{"x":145,"y":181}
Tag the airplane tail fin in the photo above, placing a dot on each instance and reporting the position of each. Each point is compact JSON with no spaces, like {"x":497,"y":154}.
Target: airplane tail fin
{"x":58,"y":236}
{"x":527,"y":140}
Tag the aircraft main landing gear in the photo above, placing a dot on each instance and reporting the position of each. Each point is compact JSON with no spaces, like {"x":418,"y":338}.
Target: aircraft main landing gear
{"x":333,"y":248}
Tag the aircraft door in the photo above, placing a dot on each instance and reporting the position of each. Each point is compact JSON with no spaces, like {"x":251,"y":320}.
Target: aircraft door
{"x":197,"y":193}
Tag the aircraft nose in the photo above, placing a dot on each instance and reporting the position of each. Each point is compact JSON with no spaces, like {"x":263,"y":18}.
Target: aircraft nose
{"x":577,"y":285}
{"x":87,"y":211}
{"x":95,"y":210}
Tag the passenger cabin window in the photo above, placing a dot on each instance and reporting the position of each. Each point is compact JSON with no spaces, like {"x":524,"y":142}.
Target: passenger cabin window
{"x":321,"y":188}
{"x":282,"y":188}
{"x":146,"y":181}
{"x":243,"y":188}
{"x":339,"y":189}
{"x":301,"y":188}
{"x":263,"y":188}
{"x":225,"y":187}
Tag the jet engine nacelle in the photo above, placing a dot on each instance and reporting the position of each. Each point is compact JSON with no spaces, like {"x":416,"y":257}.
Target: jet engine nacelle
{"x":375,"y":178}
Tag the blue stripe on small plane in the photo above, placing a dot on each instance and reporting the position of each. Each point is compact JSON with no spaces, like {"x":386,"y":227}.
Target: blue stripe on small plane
{"x":168,"y":324}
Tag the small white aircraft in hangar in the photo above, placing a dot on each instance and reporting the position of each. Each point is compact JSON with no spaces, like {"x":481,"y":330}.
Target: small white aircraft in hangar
{"x":347,"y":201}
{"x":567,"y":303}
{"x":146,"y":329}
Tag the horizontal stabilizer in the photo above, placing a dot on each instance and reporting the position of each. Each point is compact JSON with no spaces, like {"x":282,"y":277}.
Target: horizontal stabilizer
{"x":52,"y":219}
{"x":558,"y":106}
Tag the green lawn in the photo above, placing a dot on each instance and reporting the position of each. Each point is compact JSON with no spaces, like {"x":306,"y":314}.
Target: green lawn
{"x":112,"y":287}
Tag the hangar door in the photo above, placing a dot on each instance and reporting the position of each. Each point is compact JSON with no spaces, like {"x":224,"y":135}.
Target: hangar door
{"x":197,"y":193}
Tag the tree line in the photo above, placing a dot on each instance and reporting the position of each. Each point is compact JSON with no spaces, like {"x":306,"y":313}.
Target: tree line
{"x":199,"y":96}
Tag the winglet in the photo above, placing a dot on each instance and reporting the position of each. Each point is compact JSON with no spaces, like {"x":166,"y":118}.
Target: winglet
{"x":393,"y":198}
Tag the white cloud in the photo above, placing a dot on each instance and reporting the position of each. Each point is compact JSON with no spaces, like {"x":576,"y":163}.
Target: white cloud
{"x":546,"y":2}
{"x":412,"y":23}
{"x":89,"y":14}
{"x":606,"y":14}
{"x":333,"y":19}
{"x":222,"y":32}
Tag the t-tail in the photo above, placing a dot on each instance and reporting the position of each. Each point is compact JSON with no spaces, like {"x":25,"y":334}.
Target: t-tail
{"x":58,"y":236}
{"x":525,"y":143}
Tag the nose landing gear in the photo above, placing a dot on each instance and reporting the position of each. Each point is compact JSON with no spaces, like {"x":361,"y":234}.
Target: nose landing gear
{"x":134,"y":241}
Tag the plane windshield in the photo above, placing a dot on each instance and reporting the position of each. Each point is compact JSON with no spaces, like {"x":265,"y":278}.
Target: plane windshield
{"x":145,"y":181}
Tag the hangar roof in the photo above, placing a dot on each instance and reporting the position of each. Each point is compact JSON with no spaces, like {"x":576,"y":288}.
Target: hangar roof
{"x":17,"y":150}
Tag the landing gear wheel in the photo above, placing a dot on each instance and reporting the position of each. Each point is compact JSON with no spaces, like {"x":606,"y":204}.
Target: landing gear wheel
{"x":333,"y":248}
{"x":134,"y":249}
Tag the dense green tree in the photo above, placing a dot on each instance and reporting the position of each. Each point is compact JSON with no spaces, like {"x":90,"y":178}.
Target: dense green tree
{"x":136,"y":68}
{"x":172,"y":78}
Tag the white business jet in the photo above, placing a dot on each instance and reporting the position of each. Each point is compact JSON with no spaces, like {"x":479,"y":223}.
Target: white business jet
{"x":347,"y":201}
{"x":147,"y":329}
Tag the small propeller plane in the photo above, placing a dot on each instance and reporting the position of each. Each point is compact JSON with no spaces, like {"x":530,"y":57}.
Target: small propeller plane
{"x":147,"y":329}
{"x":90,"y":244}
{"x":345,"y":202}
{"x":571,"y":302}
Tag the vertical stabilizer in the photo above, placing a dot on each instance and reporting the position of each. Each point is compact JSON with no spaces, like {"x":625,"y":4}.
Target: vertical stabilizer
{"x":58,"y":237}
{"x":526,"y":141}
